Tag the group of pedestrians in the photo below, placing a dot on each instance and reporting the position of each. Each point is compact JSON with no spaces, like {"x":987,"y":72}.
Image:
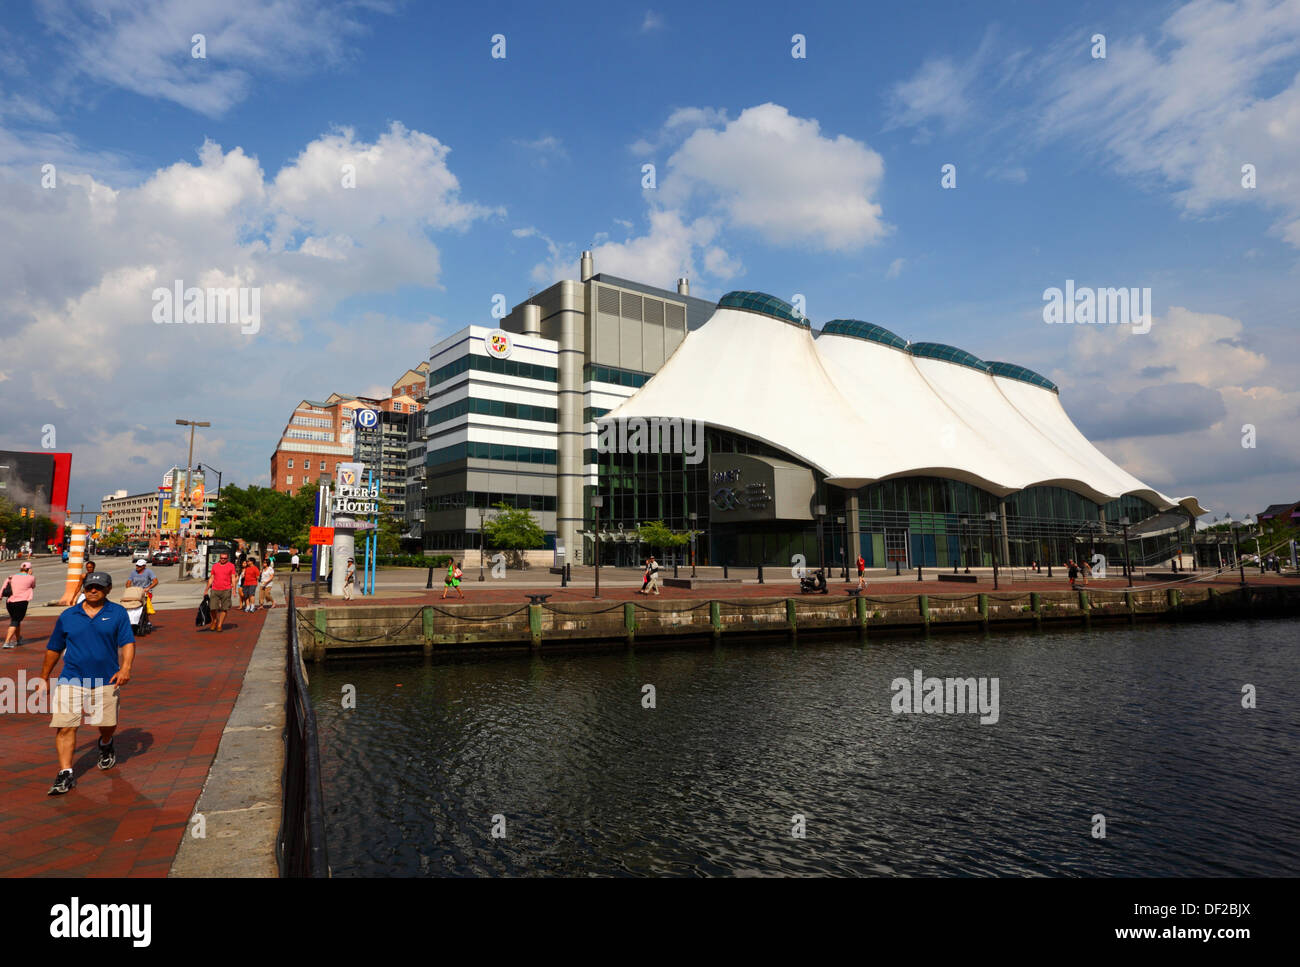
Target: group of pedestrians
{"x":650,"y":577}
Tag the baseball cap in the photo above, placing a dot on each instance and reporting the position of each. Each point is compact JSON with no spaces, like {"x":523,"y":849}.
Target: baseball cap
{"x":141,"y":563}
{"x":99,"y":579}
{"x":25,"y":566}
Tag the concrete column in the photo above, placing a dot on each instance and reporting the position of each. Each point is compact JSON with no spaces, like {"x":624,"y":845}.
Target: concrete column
{"x":344,"y":548}
{"x":570,"y":436}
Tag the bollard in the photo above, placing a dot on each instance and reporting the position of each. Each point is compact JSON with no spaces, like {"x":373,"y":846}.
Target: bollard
{"x":897,"y":569}
{"x":674,"y":569}
{"x":724,"y":570}
{"x":564,"y":575}
{"x":861,"y":603}
{"x":1049,"y":569}
{"x":923,"y":605}
{"x":918,"y":572}
{"x":428,"y":585}
{"x":715,"y":619}
{"x":427,"y":623}
{"x":984,"y":611}
{"x":760,"y":574}
{"x":535,"y":626}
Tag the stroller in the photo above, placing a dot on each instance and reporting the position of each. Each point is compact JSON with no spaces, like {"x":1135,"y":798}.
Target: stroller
{"x":814,"y":583}
{"x":136,"y":602}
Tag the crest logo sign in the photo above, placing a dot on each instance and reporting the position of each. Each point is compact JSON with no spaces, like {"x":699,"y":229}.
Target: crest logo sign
{"x":499,"y":344}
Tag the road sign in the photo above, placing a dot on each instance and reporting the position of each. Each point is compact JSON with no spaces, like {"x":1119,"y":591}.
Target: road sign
{"x":322,"y":536}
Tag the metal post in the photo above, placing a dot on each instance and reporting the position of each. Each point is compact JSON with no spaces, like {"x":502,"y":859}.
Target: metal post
{"x":991,"y":518}
{"x":597,"y":501}
{"x":482,"y":513}
{"x":693,"y":517}
{"x":1128,"y":566}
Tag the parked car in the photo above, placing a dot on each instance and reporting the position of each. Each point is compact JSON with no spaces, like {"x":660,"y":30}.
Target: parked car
{"x":165,"y":558}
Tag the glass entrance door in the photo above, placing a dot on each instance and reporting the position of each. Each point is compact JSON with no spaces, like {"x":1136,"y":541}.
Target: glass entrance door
{"x":896,"y":544}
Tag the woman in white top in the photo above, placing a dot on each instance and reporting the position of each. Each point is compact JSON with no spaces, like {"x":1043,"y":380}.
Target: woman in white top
{"x":265,"y":597}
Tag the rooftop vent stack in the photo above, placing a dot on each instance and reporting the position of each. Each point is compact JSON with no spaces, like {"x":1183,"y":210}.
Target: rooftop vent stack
{"x":532,"y":320}
{"x":588,"y":268}
{"x":683,"y":286}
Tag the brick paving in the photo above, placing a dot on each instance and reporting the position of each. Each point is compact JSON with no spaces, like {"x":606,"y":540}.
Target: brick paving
{"x":128,"y":821}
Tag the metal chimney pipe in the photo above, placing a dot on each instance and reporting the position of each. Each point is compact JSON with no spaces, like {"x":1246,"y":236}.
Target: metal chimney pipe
{"x":532,"y":320}
{"x":683,"y":286}
{"x":588,"y":267}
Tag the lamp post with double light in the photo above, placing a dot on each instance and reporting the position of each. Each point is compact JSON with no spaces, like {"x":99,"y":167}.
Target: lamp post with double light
{"x":189,"y":464}
{"x":1124,"y":522}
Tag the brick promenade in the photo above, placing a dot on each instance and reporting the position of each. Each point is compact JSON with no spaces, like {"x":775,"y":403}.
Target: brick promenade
{"x":128,"y":821}
{"x":779,"y":585}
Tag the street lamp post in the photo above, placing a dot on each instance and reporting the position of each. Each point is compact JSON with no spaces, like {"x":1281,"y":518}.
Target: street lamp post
{"x":965,"y":536}
{"x":821,"y":553}
{"x":845,"y":550}
{"x":1250,"y":522}
{"x":597,"y":502}
{"x":694,"y":517}
{"x":189,"y":464}
{"x":992,"y":517}
{"x":1124,"y":522}
{"x":1236,"y":551}
{"x":482,"y":515}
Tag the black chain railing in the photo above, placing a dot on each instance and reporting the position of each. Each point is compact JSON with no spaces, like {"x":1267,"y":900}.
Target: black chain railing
{"x":300,"y":845}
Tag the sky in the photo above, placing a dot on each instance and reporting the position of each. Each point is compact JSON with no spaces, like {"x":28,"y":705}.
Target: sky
{"x":795,"y":151}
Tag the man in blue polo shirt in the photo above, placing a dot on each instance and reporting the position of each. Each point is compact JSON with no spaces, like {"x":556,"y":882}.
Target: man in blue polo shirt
{"x":95,"y":641}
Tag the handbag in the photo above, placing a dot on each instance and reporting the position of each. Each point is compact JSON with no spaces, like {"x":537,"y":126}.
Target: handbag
{"x":8,"y":589}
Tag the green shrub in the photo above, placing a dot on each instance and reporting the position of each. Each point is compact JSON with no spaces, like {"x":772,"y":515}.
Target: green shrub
{"x":412,"y":560}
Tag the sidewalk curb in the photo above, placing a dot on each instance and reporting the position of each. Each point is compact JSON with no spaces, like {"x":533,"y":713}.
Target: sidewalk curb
{"x":241,"y":796}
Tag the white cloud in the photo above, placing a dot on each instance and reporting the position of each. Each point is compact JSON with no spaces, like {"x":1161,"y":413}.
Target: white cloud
{"x":145,"y":46}
{"x":895,"y":268}
{"x":1203,"y":364}
{"x":651,"y":22}
{"x":79,"y":264}
{"x":776,"y":174}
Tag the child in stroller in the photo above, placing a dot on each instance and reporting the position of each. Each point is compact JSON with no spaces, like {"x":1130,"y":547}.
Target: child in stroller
{"x":136,"y":601}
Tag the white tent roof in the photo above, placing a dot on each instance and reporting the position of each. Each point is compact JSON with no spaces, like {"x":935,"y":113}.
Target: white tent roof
{"x":865,"y":409}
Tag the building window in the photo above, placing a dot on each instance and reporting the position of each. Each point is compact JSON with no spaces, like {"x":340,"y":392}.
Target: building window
{"x":291,"y":467}
{"x":289,"y":480}
{"x":306,"y":465}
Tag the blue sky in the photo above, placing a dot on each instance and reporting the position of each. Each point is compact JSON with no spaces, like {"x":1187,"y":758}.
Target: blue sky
{"x":476,"y":175}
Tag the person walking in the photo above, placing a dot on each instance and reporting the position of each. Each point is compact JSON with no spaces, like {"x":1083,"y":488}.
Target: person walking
{"x":452,"y":580}
{"x":18,"y":591}
{"x":90,"y":569}
{"x":266,"y":595}
{"x":221,"y":583}
{"x":1085,"y":571}
{"x":862,"y":573}
{"x":349,"y":579}
{"x":248,"y":585}
{"x":645,"y":576}
{"x":94,"y":641}
{"x":654,"y":576}
{"x":293,"y":561}
{"x":142,"y":576}
{"x":1074,"y":574}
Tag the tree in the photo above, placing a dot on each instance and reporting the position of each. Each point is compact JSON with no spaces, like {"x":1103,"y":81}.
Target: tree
{"x":113,"y":537}
{"x":513,"y":529}
{"x":658,"y":535}
{"x":258,"y":515}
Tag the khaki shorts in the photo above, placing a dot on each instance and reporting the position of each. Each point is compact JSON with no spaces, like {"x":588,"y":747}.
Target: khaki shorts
{"x":220,"y":600}
{"x":69,"y":701}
